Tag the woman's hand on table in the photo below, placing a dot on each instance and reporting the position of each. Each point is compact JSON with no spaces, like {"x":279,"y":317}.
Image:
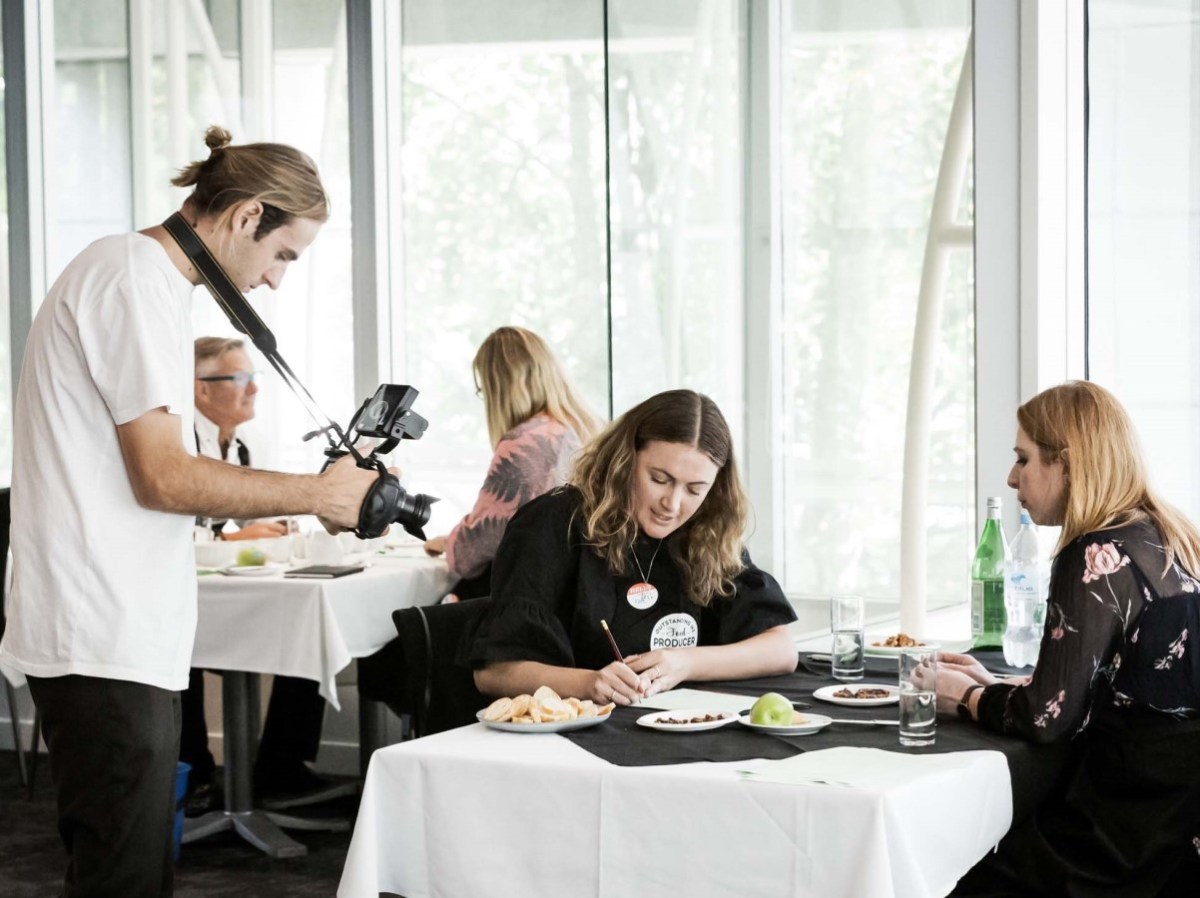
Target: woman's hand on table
{"x":663,"y":669}
{"x":951,"y":685}
{"x":617,"y":683}
{"x":436,"y":546}
{"x":965,"y":664}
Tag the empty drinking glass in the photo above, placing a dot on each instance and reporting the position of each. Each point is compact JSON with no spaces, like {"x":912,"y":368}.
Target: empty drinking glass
{"x":918,"y":696}
{"x":846,"y":624}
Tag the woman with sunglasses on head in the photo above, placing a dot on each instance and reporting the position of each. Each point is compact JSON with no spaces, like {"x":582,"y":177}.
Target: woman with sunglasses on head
{"x":648,"y":538}
{"x":1117,"y":671}
{"x":537,"y":422}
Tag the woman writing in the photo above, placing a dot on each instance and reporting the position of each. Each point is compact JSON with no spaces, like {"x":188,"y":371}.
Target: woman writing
{"x":1116,"y":666}
{"x":537,"y":423}
{"x":647,"y":537}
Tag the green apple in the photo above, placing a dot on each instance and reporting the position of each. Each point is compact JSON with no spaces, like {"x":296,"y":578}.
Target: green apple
{"x":771,"y":709}
{"x":251,"y":556}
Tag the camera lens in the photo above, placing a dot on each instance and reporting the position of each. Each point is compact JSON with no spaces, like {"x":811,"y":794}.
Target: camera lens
{"x":412,"y":511}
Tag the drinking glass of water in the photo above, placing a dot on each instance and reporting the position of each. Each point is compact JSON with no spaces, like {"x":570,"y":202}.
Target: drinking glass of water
{"x":918,"y":696}
{"x":846,"y":624}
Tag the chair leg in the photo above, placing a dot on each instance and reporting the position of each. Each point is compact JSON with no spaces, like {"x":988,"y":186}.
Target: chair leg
{"x":11,"y":694}
{"x":33,"y":751}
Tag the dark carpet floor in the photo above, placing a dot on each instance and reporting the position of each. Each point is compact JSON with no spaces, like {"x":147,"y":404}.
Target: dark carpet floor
{"x":32,"y":858}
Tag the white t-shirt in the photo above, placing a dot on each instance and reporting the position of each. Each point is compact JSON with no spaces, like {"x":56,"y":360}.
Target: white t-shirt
{"x":101,"y":586}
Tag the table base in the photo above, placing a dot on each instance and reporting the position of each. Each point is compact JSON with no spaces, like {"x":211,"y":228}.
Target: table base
{"x":239,"y":694}
{"x":260,"y":828}
{"x":317,"y":796}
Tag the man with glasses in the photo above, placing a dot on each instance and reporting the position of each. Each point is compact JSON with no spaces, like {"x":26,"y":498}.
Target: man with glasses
{"x":225,"y":393}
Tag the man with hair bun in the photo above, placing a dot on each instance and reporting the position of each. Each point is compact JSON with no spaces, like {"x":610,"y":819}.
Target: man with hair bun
{"x":106,"y":485}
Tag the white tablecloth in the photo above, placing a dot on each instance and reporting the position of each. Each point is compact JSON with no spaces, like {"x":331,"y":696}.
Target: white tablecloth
{"x":309,"y":628}
{"x":476,"y":812}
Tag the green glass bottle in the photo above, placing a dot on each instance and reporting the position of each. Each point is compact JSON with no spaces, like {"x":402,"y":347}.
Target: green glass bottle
{"x":987,"y":582}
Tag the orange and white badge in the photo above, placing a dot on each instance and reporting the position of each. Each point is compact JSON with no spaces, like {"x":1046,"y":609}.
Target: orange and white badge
{"x":642,"y":596}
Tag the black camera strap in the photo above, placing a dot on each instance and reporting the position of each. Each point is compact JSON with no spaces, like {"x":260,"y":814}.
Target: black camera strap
{"x":246,"y":320}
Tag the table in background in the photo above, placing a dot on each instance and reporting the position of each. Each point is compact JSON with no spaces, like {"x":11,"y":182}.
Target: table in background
{"x":478,"y":811}
{"x":299,"y":628}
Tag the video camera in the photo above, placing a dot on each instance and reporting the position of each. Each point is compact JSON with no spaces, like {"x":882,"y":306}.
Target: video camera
{"x":387,"y":416}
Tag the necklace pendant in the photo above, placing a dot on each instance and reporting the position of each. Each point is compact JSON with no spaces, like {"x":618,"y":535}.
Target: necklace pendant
{"x":642,"y":596}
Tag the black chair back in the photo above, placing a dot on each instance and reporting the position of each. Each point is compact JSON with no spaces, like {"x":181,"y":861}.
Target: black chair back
{"x":442,"y":692}
{"x":416,"y":674}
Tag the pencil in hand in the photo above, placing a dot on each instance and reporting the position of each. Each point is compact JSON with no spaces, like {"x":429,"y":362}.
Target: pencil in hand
{"x":612,"y":642}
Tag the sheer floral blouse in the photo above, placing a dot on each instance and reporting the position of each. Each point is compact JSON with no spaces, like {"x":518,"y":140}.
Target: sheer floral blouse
{"x":532,"y":458}
{"x":1118,"y":639}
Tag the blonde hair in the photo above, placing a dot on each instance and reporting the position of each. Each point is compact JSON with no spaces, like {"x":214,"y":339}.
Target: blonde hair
{"x":1085,"y":427}
{"x":519,"y":378}
{"x":708,"y":548}
{"x":211,"y":348}
{"x":283,"y":179}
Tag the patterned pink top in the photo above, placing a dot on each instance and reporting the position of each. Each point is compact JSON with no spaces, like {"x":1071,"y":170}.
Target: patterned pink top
{"x":531,"y":459}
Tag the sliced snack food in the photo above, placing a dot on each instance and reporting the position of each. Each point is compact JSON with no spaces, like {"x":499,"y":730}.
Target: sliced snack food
{"x":681,"y":721}
{"x":898,"y":641}
{"x":863,"y":693}
{"x":499,"y":710}
{"x":544,"y":706}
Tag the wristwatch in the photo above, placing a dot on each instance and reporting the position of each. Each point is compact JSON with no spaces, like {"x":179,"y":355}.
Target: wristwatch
{"x":964,"y":709}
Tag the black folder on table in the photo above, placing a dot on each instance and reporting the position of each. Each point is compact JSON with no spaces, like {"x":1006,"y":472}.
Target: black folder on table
{"x":324,"y":571}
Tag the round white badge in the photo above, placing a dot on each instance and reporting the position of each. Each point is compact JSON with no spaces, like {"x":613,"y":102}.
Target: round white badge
{"x":674,"y":631}
{"x":642,"y":596}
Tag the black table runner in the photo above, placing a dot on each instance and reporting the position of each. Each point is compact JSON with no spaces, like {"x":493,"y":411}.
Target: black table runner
{"x":1033,"y":768}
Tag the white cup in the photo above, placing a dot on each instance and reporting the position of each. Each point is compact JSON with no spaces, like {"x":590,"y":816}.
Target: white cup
{"x":323,"y":548}
{"x":277,"y":548}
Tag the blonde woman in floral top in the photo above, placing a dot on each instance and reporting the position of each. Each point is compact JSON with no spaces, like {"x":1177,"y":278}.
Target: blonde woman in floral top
{"x":537,"y":422}
{"x":1118,"y":671}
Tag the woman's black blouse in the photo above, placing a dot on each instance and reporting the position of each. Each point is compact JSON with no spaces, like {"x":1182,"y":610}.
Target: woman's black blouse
{"x":1117,"y":641}
{"x":550,"y":592}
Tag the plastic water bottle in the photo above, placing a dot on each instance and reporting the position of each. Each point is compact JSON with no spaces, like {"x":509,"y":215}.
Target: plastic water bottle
{"x":1024,"y":599}
{"x":987,"y":581}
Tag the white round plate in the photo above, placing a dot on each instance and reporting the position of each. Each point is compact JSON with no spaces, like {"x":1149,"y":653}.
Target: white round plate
{"x":561,"y":726}
{"x":892,"y":651}
{"x":812,"y":724}
{"x":826,"y":694}
{"x":656,"y":721}
{"x":254,"y":570}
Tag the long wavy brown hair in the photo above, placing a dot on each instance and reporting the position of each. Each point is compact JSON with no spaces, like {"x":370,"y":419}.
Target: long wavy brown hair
{"x":1084,"y":426}
{"x":708,"y":548}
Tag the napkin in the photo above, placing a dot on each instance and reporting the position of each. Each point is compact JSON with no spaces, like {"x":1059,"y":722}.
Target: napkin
{"x":697,"y":699}
{"x":862,"y":768}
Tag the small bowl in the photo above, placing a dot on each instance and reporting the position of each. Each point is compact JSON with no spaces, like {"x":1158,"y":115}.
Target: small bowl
{"x":216,"y":554}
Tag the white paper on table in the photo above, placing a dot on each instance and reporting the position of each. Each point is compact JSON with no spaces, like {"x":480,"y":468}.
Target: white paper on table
{"x":856,"y":767}
{"x":697,"y":700}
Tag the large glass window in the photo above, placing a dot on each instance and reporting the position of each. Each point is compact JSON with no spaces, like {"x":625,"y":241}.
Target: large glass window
{"x":1144,"y":228}
{"x":675,"y":120}
{"x":503,"y":213}
{"x":6,"y":359}
{"x":867,"y":96}
{"x":504,"y":219}
{"x":86,"y":149}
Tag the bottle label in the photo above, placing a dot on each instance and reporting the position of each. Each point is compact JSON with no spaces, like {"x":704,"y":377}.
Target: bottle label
{"x":976,"y":607}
